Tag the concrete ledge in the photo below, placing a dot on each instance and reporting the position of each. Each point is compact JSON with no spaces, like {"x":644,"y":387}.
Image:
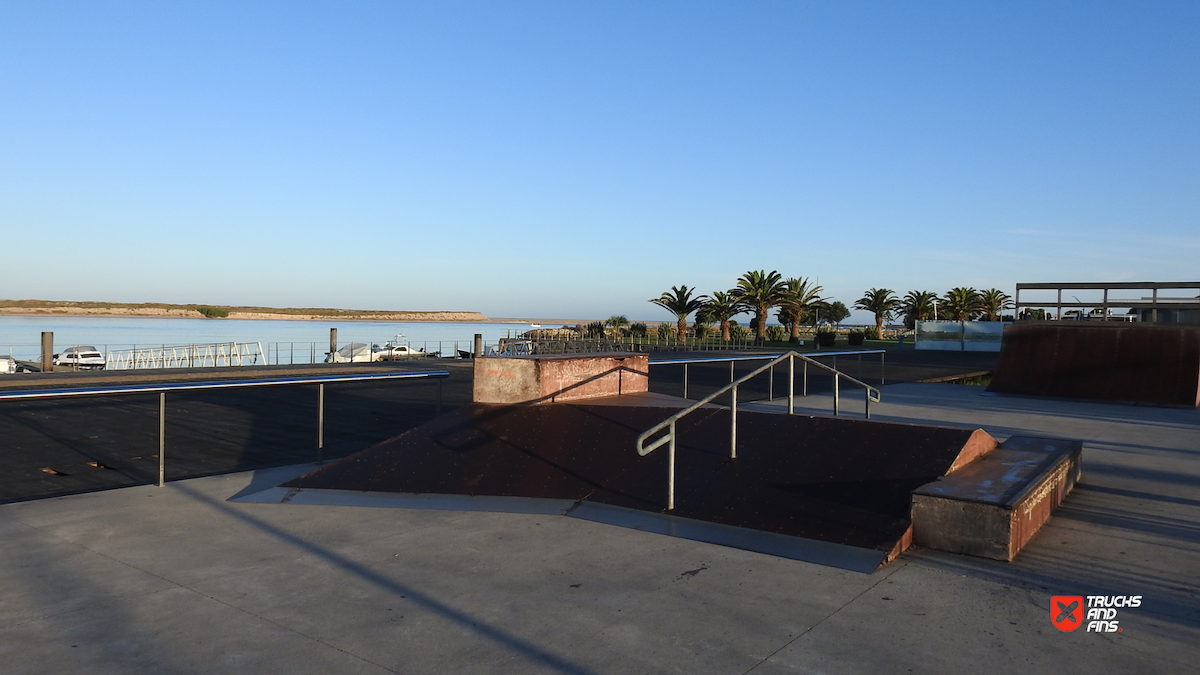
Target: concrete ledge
{"x":559,"y":377}
{"x":993,"y":506}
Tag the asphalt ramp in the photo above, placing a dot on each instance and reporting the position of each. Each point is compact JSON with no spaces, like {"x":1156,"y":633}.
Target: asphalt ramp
{"x":834,"y":491}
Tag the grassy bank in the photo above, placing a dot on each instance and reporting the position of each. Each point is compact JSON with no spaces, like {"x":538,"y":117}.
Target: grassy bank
{"x":159,"y":309}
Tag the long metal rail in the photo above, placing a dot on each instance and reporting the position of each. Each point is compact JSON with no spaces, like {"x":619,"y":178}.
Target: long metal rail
{"x":771,"y":373}
{"x":669,"y":439}
{"x":162,"y":389}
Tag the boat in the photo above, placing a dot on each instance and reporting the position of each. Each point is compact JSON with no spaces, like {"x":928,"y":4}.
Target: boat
{"x":354,"y":352}
{"x":83,"y":357}
{"x":397,"y":348}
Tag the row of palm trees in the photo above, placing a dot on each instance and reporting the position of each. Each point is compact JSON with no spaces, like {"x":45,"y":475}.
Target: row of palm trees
{"x":958,"y":304}
{"x":799,"y":301}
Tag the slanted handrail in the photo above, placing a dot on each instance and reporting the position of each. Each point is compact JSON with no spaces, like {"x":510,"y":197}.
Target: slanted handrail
{"x":668,"y":439}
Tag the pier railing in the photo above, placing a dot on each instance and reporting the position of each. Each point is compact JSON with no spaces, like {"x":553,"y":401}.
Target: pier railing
{"x":216,"y":355}
{"x":162,"y":389}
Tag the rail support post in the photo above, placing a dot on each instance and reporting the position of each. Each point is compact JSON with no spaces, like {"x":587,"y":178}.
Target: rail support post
{"x":836,"y":402}
{"x":733,"y":424}
{"x":685,"y":380}
{"x":791,"y":385}
{"x":162,"y":438}
{"x":671,"y":470}
{"x":320,"y":421}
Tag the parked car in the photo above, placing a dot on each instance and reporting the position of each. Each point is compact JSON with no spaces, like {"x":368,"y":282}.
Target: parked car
{"x":84,"y":357}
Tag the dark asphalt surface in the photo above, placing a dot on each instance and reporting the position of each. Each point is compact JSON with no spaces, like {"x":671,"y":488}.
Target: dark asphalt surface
{"x":52,"y":447}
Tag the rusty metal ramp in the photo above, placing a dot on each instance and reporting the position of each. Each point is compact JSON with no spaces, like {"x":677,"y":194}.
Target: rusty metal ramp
{"x":828,"y":490}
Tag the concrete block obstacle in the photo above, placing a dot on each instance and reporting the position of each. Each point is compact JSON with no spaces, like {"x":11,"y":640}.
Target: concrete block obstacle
{"x":995,"y":504}
{"x":559,"y":377}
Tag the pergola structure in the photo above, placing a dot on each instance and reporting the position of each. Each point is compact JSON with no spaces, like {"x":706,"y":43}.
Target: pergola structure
{"x":1154,"y":306}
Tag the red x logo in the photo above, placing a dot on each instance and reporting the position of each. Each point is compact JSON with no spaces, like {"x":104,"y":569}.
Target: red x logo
{"x":1066,"y":612}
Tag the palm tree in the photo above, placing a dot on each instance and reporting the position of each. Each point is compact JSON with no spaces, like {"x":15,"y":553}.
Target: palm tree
{"x":618,"y":322}
{"x":962,"y":304}
{"x":993,"y":302}
{"x":797,"y":297}
{"x":919,"y":305}
{"x":881,"y":302}
{"x":722,"y":307}
{"x":680,"y":303}
{"x":760,"y":291}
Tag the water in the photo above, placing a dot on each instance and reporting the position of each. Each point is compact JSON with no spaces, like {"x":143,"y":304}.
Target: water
{"x":21,"y":335}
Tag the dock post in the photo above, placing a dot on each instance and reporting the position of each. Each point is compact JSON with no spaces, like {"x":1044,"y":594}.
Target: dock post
{"x":478,"y":345}
{"x":47,"y":352}
{"x":332,"y":343}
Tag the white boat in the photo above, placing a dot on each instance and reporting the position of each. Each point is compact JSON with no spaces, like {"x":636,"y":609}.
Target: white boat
{"x":354,"y":352}
{"x":84,"y":357}
{"x":396,"y":348}
{"x":535,"y":326}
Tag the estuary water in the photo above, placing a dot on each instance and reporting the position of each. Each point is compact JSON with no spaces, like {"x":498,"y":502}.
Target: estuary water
{"x":21,"y":335}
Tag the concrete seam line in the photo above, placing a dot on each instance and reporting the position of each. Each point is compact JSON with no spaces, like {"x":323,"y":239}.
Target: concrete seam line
{"x":825,"y":618}
{"x":176,"y":584}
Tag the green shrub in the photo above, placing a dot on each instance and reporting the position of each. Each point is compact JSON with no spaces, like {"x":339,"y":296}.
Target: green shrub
{"x":666,"y":331}
{"x":213,"y":312}
{"x":703,"y":331}
{"x":638,"y":330}
{"x":855,"y":337}
{"x":777,"y":334}
{"x":738,"y":333}
{"x":595,"y":329}
{"x":871,"y":332}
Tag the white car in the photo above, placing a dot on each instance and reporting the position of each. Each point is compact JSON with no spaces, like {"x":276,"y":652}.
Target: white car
{"x":84,"y":357}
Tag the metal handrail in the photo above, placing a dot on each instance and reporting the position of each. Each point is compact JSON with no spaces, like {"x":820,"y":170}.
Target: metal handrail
{"x":757,"y":357}
{"x":871,"y":395}
{"x":162,"y":389}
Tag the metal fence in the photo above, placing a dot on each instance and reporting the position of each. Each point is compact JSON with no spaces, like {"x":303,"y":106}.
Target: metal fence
{"x":162,"y":389}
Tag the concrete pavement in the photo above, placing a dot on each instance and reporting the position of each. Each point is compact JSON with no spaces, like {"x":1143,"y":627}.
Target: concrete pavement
{"x":182,"y":580}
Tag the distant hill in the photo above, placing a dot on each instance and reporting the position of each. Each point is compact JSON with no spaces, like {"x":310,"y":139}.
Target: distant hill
{"x":158,"y":309}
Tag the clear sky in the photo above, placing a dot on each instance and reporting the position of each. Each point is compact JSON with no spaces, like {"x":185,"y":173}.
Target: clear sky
{"x":574,"y":159}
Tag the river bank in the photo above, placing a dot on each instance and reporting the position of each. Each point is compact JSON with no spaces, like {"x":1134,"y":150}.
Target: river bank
{"x":168,"y":311}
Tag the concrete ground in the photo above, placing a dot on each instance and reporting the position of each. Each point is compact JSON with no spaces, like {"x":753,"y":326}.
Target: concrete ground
{"x":182,"y":580}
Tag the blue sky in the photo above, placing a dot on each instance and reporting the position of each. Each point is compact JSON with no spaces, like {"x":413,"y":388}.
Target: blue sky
{"x":573,"y":160}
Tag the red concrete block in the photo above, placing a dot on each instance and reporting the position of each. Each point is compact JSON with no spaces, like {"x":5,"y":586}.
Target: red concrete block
{"x":559,"y":377}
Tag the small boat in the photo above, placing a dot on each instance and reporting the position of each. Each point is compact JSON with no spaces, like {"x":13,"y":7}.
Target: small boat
{"x":354,"y":352}
{"x":535,"y":326}
{"x":397,"y":348}
{"x":83,"y":357}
